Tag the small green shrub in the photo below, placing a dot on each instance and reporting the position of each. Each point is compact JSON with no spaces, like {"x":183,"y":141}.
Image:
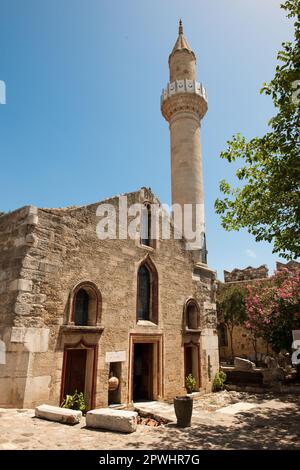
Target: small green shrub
{"x":219,"y":381}
{"x":75,"y":402}
{"x":190,"y":383}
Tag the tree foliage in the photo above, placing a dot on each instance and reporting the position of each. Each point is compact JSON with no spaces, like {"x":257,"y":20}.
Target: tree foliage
{"x":267,"y":201}
{"x":231,"y":308}
{"x":273,"y":309}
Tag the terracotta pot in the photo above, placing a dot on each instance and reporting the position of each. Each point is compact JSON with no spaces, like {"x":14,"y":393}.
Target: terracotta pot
{"x":113,"y":384}
{"x":183,"y":409}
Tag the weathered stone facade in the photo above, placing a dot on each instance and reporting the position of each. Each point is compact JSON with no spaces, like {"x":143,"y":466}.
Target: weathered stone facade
{"x":45,"y":254}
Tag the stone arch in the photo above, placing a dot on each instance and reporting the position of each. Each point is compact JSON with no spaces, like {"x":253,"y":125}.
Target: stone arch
{"x":191,"y":315}
{"x":94,"y":308}
{"x":148,"y":264}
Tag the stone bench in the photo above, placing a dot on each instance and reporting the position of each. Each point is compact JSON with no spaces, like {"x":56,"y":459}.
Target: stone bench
{"x":55,"y":413}
{"x":113,"y":420}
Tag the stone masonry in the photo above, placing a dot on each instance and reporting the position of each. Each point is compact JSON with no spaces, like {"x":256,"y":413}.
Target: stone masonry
{"x":44,"y":253}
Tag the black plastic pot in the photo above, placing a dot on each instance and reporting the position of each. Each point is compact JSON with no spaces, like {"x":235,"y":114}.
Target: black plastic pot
{"x":183,"y":409}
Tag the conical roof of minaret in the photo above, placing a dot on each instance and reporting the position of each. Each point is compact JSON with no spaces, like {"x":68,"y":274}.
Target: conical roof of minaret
{"x":181,"y":42}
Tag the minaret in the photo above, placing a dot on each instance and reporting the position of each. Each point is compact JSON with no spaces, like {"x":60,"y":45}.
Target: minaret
{"x":183,"y":105}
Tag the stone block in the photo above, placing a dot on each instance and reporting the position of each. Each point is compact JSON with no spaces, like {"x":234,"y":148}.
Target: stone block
{"x":113,"y":420}
{"x":55,"y":413}
{"x":34,"y":339}
{"x":21,"y":285}
{"x":243,"y":364}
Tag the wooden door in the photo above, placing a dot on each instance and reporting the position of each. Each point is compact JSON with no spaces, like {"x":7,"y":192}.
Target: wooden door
{"x":147,"y":377}
{"x":75,"y":371}
{"x":188,"y":361}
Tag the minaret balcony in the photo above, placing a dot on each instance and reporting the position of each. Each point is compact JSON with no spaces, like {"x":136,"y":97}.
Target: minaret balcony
{"x":184,"y":96}
{"x":183,"y":86}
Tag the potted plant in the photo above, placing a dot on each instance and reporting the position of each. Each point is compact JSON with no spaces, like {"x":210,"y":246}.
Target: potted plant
{"x":190,"y":383}
{"x":219,"y":381}
{"x":75,"y":402}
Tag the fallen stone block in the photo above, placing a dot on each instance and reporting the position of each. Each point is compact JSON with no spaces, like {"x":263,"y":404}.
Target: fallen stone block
{"x":113,"y":420}
{"x":55,"y":413}
{"x":243,"y":364}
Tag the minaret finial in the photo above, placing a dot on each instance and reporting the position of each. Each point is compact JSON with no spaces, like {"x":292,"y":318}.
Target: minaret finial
{"x":180,"y":27}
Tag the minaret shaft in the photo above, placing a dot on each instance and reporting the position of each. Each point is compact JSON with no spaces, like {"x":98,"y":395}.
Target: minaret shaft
{"x":187,"y":180}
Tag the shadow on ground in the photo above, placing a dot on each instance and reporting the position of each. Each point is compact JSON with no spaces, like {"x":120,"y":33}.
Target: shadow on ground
{"x":265,"y":428}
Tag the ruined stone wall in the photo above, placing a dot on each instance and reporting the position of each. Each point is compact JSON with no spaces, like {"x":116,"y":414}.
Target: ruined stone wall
{"x":243,"y":346}
{"x":241,"y":341}
{"x":290,"y":265}
{"x":64,"y":250}
{"x":247,"y":274}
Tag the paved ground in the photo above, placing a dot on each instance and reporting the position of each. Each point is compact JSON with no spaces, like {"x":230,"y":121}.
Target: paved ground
{"x":226,"y":420}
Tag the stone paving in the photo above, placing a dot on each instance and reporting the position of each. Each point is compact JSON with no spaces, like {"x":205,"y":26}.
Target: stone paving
{"x":226,"y":420}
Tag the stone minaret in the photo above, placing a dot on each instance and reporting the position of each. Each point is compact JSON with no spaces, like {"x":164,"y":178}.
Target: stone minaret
{"x":183,"y":105}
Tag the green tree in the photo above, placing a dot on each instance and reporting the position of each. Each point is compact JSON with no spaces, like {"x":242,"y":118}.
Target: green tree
{"x":231,"y":308}
{"x":267,"y":201}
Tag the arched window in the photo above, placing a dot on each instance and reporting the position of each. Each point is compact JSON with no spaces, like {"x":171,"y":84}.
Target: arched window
{"x":191,"y":315}
{"x":81,"y":309}
{"x":146,"y":236}
{"x":144,"y":293}
{"x":147,"y":292}
{"x":85,"y":305}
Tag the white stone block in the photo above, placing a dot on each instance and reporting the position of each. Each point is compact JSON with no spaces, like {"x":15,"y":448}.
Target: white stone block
{"x":32,"y":210}
{"x":55,"y":413}
{"x":113,"y":420}
{"x":34,"y":339}
{"x":32,"y":220}
{"x":32,"y":217}
{"x":24,"y":285}
{"x":17,"y":334}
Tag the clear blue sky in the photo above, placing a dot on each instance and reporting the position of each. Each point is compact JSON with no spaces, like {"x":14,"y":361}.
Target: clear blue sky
{"x":82,"y":120}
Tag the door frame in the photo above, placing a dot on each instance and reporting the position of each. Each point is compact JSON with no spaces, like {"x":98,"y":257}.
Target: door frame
{"x":195,"y":346}
{"x":157,"y":366}
{"x":81,"y":345}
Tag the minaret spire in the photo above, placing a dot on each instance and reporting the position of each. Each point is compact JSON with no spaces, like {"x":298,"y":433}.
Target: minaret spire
{"x":180,"y":29}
